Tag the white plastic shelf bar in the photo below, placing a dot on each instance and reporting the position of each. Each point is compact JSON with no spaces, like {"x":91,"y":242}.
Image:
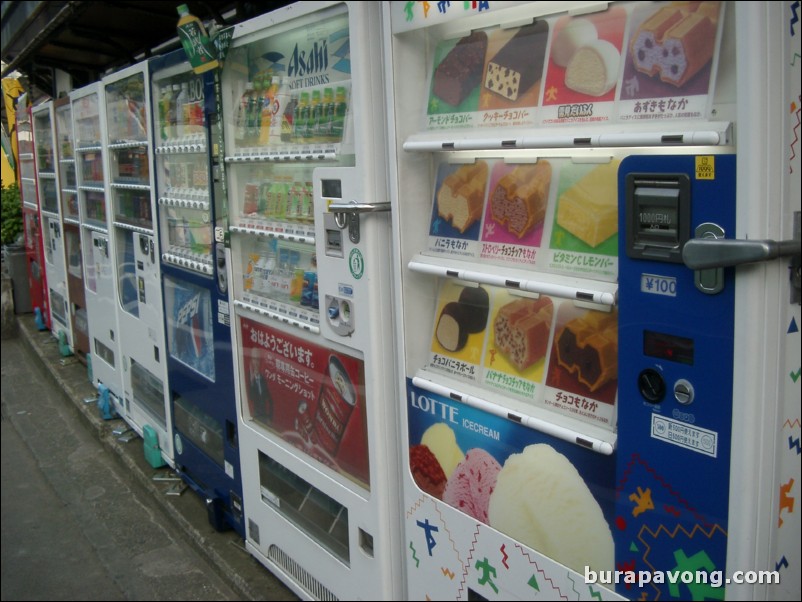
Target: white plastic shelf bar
{"x":289,"y":154}
{"x":193,"y":261}
{"x":127,"y":144}
{"x":706,"y":134}
{"x":182,"y":146}
{"x":184,"y":202}
{"x":129,"y":186}
{"x":281,"y":231}
{"x":565,"y":287}
{"x":132,"y":228}
{"x":90,"y":188}
{"x":564,"y":433}
{"x":279,"y":311}
{"x":47,"y":175}
{"x":72,"y":220}
{"x":88,"y":149}
{"x":94,"y":227}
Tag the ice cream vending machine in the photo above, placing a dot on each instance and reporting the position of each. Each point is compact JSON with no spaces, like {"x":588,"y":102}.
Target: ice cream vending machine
{"x":135,"y":252}
{"x":598,"y":402}
{"x":99,"y":282}
{"x":48,"y":184}
{"x":29,"y":190}
{"x":191,"y":209}
{"x":71,"y":228}
{"x":305,"y":158}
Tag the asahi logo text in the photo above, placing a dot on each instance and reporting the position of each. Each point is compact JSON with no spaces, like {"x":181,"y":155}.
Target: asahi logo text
{"x":310,"y":61}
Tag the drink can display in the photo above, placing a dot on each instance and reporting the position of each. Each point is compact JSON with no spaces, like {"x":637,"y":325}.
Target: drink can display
{"x":334,"y":408}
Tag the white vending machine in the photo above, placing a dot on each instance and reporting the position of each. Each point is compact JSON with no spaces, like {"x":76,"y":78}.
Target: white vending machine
{"x":48,"y":178}
{"x":135,"y":255}
{"x":305,"y":157}
{"x":89,"y":124}
{"x":71,"y":228}
{"x":600,"y":401}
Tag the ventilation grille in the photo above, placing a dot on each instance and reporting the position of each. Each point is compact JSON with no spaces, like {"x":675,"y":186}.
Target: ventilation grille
{"x":300,"y":575}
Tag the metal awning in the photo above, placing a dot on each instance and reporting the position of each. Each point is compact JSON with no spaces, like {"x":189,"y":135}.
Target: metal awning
{"x":90,"y":39}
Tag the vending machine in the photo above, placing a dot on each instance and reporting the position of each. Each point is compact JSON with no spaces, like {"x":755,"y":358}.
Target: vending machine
{"x":191,"y":225}
{"x":48,"y":183}
{"x":305,"y":158}
{"x":99,"y":283}
{"x":71,"y":229}
{"x":37,"y":278}
{"x":597,"y":401}
{"x":135,"y":252}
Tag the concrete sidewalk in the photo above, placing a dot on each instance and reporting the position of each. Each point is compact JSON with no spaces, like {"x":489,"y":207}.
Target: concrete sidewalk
{"x":82,"y":516}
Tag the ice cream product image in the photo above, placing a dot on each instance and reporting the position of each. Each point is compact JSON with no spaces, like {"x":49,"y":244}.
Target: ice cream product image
{"x":471,"y":484}
{"x":589,"y":208}
{"x":519,"y":64}
{"x":426,"y":470}
{"x":541,"y":500}
{"x":442,"y":442}
{"x":461,"y":197}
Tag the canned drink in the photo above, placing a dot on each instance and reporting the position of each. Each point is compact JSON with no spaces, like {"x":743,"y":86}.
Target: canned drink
{"x":334,"y":407}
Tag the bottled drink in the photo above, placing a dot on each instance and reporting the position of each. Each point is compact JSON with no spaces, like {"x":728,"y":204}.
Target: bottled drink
{"x":197,"y":46}
{"x":182,"y":110}
{"x":265,"y":111}
{"x":255,"y":110}
{"x":325,"y":122}
{"x":241,"y":124}
{"x":287,"y":119}
{"x":172,"y":112}
{"x":338,"y":117}
{"x":165,"y":100}
{"x":300,"y":117}
{"x":313,"y":121}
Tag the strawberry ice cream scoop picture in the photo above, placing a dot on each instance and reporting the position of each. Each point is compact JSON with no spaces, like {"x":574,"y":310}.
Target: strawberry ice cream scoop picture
{"x":470,"y":485}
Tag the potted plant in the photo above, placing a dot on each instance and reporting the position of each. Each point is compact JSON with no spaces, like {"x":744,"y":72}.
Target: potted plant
{"x":11,"y":219}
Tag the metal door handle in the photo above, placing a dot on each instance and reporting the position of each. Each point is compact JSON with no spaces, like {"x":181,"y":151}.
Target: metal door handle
{"x":347,"y":215}
{"x":705,"y":253}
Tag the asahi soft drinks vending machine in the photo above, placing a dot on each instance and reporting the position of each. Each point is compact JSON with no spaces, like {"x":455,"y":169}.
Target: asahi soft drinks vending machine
{"x":589,"y":413}
{"x":135,"y":251}
{"x":99,"y":282}
{"x":305,"y":156}
{"x":71,"y":228}
{"x":191,"y":209}
{"x":48,"y":183}
{"x":37,"y":278}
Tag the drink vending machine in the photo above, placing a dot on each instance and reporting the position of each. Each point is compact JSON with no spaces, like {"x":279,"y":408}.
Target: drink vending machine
{"x":71,"y":229}
{"x":191,"y":201}
{"x":305,"y":157}
{"x":99,"y":282}
{"x":37,"y":278}
{"x":48,"y":183}
{"x":597,"y":402}
{"x":135,"y":254}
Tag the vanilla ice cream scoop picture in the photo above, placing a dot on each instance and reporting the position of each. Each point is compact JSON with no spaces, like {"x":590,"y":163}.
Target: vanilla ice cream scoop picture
{"x":471,"y":484}
{"x":541,"y":500}
{"x":442,"y":442}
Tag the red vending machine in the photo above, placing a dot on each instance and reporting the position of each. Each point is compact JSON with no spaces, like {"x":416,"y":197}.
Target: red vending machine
{"x":34,"y":250}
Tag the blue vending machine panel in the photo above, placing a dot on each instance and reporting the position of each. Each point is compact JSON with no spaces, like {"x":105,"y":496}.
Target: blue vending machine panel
{"x":676,"y":333}
{"x":200,"y":365}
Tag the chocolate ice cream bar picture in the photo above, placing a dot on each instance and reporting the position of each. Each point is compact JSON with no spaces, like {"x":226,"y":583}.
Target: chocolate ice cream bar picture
{"x":518,"y":65}
{"x":460,"y":71}
{"x":458,"y":319}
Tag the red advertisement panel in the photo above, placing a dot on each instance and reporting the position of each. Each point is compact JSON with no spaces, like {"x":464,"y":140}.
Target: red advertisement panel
{"x":310,"y":396}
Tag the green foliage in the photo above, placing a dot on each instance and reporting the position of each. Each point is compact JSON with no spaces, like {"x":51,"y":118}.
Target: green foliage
{"x":11,"y":222}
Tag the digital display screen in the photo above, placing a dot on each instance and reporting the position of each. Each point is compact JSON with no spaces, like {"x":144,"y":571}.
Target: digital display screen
{"x":668,"y":347}
{"x":332,"y":188}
